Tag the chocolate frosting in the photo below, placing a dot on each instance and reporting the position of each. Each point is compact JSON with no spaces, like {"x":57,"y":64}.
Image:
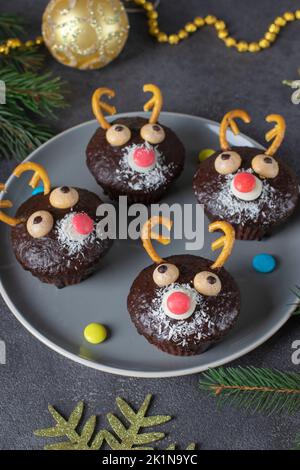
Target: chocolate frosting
{"x":108,"y":166}
{"x":276,"y":203}
{"x":48,"y":258}
{"x":212,"y":319}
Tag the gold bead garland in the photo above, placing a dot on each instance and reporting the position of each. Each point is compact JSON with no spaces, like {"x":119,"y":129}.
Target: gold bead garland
{"x":190,"y":28}
{"x":220,"y":26}
{"x":10,"y":44}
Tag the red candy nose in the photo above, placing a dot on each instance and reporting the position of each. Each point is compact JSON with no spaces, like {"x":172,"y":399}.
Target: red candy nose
{"x":178,"y":303}
{"x":83,"y":224}
{"x":244,"y":182}
{"x":144,"y":157}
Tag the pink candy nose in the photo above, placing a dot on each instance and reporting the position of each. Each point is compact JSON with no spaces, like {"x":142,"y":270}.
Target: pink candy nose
{"x":178,"y":303}
{"x":82,"y":223}
{"x":244,"y":182}
{"x":144,"y":157}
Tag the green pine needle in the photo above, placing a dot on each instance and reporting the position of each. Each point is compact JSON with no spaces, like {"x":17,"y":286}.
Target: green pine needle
{"x":23,"y":59}
{"x":11,"y":25}
{"x":28,"y":94}
{"x":19,"y":135}
{"x":297,"y":442}
{"x":39,"y":93}
{"x":254,"y":389}
{"x":296,"y":291}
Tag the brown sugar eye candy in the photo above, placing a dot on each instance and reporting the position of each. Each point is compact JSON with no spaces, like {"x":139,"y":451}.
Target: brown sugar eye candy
{"x":172,"y":301}
{"x":251,"y":189}
{"x":64,"y":197}
{"x":134,"y":156}
{"x":54,"y":233}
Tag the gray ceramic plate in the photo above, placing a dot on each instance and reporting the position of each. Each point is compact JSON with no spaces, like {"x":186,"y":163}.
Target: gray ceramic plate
{"x":58,"y":317}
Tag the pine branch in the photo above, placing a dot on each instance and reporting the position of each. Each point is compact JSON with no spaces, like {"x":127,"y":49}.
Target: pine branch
{"x":296,"y":291}
{"x":39,"y":93}
{"x":254,"y":389}
{"x":27,"y":94}
{"x":11,"y":25}
{"x":297,"y":442}
{"x":22,"y":59}
{"x":19,"y":135}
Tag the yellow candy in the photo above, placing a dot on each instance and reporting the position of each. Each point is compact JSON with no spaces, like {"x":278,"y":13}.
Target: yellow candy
{"x":204,"y":154}
{"x":95,"y":333}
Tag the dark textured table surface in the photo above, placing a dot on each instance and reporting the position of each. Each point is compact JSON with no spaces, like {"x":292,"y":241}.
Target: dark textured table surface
{"x":201,"y":77}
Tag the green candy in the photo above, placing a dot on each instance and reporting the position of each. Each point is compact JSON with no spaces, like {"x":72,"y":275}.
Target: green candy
{"x":95,"y":333}
{"x":204,"y":154}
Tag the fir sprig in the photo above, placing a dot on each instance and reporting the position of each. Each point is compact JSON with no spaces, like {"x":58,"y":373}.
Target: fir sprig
{"x":254,"y":389}
{"x":23,"y":59}
{"x":27,"y":94}
{"x":296,"y":291}
{"x":30,"y":95}
{"x":297,"y":442}
{"x":39,"y":93}
{"x":19,"y":135}
{"x":11,"y":25}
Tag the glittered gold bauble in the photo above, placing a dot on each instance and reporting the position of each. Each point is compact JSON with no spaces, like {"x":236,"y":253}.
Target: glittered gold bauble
{"x":86,"y":34}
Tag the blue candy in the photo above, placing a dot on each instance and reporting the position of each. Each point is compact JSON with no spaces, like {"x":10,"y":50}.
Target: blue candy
{"x":38,"y":190}
{"x":264,"y":263}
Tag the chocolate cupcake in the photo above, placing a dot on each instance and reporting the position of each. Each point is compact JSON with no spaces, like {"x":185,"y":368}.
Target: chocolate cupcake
{"x":251,"y":189}
{"x":185,"y":304}
{"x":55,"y":234}
{"x":133,"y":156}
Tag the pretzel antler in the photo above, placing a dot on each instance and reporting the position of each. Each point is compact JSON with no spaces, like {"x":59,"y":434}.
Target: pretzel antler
{"x":277,"y":133}
{"x":228,"y":121}
{"x":98,"y":106}
{"x":226,"y":242}
{"x":39,"y":174}
{"x":147,"y":235}
{"x":155,"y":103}
{"x":5,"y":204}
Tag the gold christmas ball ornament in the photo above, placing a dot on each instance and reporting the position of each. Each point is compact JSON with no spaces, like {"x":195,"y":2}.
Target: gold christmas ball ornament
{"x":86,"y":34}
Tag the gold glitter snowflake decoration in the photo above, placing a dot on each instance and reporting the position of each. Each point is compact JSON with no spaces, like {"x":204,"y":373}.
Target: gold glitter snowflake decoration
{"x":121,"y":436}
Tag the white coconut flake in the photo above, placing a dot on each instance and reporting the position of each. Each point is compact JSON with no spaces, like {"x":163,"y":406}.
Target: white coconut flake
{"x":152,"y":179}
{"x":223,"y":202}
{"x":71,"y":240}
{"x":199,"y":325}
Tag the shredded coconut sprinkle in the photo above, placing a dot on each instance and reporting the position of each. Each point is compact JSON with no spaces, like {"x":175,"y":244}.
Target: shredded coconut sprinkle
{"x":199,"y":325}
{"x":238,"y":211}
{"x":69,"y":238}
{"x":153,"y":179}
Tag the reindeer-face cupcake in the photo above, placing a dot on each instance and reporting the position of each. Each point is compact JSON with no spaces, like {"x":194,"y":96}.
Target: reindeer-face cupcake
{"x":133,"y":156}
{"x":184,"y":304}
{"x":54,"y":234}
{"x":251,"y":189}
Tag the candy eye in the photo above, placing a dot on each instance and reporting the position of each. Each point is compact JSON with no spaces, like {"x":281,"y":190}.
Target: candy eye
{"x":39,"y":224}
{"x":153,"y":133}
{"x":165,"y":274}
{"x":265,"y":166}
{"x":118,"y":135}
{"x":227,"y":162}
{"x":207,"y":283}
{"x":64,"y":197}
